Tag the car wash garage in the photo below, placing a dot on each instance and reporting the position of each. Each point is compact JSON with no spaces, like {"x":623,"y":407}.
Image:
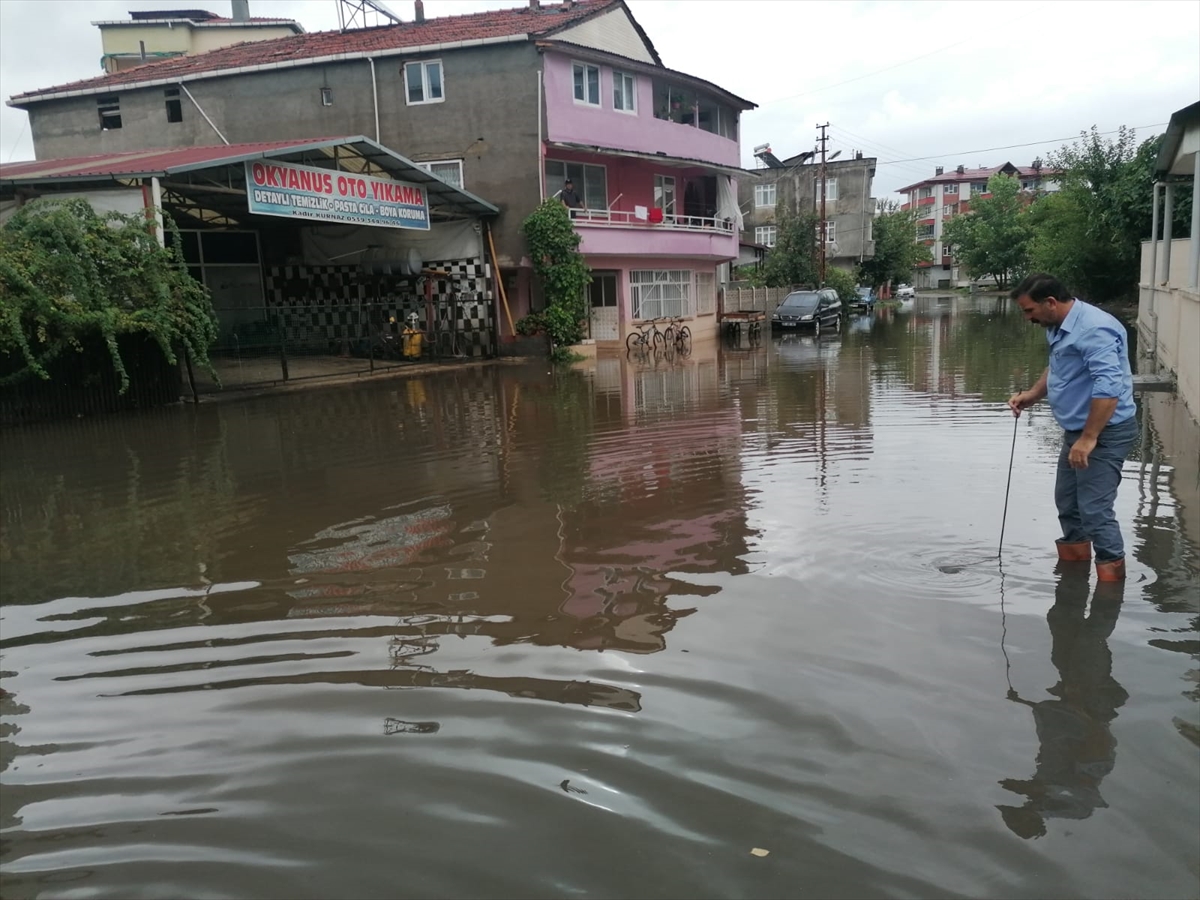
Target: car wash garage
{"x":322,"y":258}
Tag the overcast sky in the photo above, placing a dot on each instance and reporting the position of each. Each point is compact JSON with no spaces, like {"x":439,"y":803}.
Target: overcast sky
{"x":941,"y":83}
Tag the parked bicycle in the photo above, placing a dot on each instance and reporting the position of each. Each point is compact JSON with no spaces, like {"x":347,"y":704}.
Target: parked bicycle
{"x":678,"y":336}
{"x":648,"y":336}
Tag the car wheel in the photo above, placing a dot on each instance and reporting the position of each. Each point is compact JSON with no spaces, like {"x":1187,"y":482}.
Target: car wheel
{"x":817,"y":328}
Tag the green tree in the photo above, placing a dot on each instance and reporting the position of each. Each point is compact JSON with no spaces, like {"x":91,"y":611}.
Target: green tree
{"x":897,"y":252}
{"x":793,"y":258}
{"x":993,"y":238}
{"x":1089,"y":233}
{"x":554,"y":251}
{"x":845,"y":283}
{"x":70,"y":277}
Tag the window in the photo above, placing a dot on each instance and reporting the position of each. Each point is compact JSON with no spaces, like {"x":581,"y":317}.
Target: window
{"x":326,"y":96}
{"x":978,"y":188}
{"x":423,"y":82}
{"x":949,"y":188}
{"x":764,"y":195}
{"x":925,"y":232}
{"x":174,"y":106}
{"x":765,"y":235}
{"x":449,"y":170}
{"x":830,"y":231}
{"x":590,"y":181}
{"x":664,"y":194}
{"x":925,"y":193}
{"x":587,"y":84}
{"x":657,"y":293}
{"x":830,"y":189}
{"x":109,"y":108}
{"x":706,"y":293}
{"x":624,"y":96}
{"x":603,"y":289}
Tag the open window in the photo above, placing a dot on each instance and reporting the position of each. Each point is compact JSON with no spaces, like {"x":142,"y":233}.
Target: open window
{"x":109,"y":108}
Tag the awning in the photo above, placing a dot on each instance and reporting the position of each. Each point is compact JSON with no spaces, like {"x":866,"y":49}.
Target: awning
{"x":213,"y":177}
{"x":676,"y":162}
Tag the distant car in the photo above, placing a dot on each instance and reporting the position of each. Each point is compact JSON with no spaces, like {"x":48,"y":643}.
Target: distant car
{"x":865,"y":299}
{"x":818,"y":310}
{"x":905,"y":292}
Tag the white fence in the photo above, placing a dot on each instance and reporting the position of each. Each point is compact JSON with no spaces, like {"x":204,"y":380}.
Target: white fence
{"x":752,"y":299}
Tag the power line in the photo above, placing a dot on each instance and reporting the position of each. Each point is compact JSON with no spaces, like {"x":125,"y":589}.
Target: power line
{"x":861,"y":77}
{"x":871,"y":146}
{"x":896,"y":162}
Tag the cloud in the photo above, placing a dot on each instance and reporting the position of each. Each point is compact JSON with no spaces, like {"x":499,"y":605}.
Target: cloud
{"x":896,"y":80}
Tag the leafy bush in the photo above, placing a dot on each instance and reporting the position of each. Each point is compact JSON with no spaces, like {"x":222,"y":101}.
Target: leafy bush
{"x":69,"y":276}
{"x":553,"y":249}
{"x":844,"y":283}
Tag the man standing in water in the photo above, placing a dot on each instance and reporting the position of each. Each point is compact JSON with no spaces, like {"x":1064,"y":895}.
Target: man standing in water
{"x":1090,"y":388}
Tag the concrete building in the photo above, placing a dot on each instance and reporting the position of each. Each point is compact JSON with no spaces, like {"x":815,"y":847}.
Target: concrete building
{"x":795,"y":184}
{"x":505,"y":103}
{"x":154,"y":34}
{"x":948,"y":194}
{"x":1169,"y":288}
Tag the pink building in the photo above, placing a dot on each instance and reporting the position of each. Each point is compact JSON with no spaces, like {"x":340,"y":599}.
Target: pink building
{"x":653,"y":154}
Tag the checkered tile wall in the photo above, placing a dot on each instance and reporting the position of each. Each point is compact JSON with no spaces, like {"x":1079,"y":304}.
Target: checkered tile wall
{"x":325,"y":307}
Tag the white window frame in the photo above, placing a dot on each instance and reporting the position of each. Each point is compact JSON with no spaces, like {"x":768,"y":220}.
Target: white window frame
{"x":583,"y":185}
{"x":624,"y":92}
{"x":646,"y":288}
{"x":760,"y":195}
{"x":428,"y":167}
{"x":830,"y":231}
{"x":951,"y":188}
{"x":831,"y":194}
{"x":584,"y":101}
{"x":765,"y":235}
{"x":422,"y":66}
{"x":706,"y":293}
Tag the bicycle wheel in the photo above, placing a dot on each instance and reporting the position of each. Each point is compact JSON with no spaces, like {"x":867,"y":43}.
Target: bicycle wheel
{"x":658,"y":340}
{"x":683,"y":341}
{"x":634,"y":341}
{"x":669,"y":335}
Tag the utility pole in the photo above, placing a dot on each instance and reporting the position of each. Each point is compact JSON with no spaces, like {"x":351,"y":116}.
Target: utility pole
{"x":821,"y":229}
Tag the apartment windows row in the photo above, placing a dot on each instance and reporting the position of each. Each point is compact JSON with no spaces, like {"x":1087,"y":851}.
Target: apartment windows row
{"x":672,"y":103}
{"x":585,"y":80}
{"x":767,"y":234}
{"x":831,"y":189}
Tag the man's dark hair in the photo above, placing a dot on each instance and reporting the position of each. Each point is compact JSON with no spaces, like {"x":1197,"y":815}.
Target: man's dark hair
{"x":568,"y":181}
{"x":1040,"y":287}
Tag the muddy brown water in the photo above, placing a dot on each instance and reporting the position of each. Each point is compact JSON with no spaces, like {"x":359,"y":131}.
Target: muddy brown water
{"x":502,"y":633}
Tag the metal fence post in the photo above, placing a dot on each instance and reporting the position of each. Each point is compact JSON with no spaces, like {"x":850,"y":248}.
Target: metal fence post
{"x":283,"y":362}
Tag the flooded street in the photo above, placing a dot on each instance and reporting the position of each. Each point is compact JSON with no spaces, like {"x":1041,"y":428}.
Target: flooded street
{"x":498,"y":632}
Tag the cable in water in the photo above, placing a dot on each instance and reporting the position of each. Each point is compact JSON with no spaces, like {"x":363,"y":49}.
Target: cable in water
{"x":955,"y":569}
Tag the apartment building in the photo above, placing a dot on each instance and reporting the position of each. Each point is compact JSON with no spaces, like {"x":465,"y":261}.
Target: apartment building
{"x":795,"y":184}
{"x":948,"y":194}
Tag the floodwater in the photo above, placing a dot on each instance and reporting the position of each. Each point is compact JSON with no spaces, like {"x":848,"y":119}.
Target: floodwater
{"x":612,"y":633}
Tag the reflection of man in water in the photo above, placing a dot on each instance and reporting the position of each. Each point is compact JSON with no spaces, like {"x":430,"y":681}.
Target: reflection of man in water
{"x":1077,"y":747}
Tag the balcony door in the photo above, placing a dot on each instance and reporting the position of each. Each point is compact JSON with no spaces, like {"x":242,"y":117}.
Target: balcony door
{"x":664,"y":195}
{"x":602,"y":295}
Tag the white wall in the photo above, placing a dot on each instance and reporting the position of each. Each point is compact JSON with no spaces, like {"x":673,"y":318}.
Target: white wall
{"x":1178,"y":313}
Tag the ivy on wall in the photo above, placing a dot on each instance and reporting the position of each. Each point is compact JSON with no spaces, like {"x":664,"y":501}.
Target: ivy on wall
{"x":554,"y":250}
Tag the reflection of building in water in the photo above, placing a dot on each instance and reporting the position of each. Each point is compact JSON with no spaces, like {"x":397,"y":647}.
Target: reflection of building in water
{"x":1076,"y":745}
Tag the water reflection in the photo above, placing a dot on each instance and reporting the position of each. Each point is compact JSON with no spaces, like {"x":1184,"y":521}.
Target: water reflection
{"x":1077,"y":749}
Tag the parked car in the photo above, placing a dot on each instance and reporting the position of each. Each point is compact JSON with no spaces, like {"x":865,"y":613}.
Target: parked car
{"x":905,"y":292}
{"x":818,"y":310}
{"x":865,"y":299}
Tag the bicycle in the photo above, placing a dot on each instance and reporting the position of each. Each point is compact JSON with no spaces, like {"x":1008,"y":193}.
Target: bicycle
{"x":647,"y":336}
{"x":678,"y":336}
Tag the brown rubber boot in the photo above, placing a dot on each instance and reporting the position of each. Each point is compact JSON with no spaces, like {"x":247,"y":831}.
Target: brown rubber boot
{"x":1113,"y":570}
{"x":1077,"y":551}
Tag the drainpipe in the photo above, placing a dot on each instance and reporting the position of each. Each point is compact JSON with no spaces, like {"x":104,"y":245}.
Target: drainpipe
{"x":374,"y":97}
{"x":1194,"y":282}
{"x":1152,"y":352}
{"x":1168,"y":221}
{"x":541,"y":164}
{"x":156,"y":199}
{"x":183,"y":87}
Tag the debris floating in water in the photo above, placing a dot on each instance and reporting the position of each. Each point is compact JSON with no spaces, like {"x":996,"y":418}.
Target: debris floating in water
{"x":759,"y":851}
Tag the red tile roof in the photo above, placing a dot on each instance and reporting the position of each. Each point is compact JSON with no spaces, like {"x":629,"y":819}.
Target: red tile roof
{"x":954,"y":176}
{"x":143,"y":162}
{"x":297,"y":48}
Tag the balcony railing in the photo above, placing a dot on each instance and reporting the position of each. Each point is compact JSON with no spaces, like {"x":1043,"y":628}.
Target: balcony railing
{"x":616,"y":218}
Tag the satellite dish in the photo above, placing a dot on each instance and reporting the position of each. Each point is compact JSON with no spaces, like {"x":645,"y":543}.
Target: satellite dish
{"x":414,"y":262}
{"x":833,"y":247}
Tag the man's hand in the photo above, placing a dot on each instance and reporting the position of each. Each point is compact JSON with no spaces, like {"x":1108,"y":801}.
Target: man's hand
{"x":1018,"y":402}
{"x":1080,"y":451}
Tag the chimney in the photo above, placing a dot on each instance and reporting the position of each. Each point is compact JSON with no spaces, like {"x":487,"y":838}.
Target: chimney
{"x":533,"y":5}
{"x":961,"y":169}
{"x":241,"y":10}
{"x":419,"y":15}
{"x":938,"y":170}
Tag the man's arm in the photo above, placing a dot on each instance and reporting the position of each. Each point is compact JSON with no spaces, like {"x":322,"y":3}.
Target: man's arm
{"x":1027,"y":398}
{"x":1102,"y":356}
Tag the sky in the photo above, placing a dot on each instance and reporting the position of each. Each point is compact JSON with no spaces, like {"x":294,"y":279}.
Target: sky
{"x":914,"y":84}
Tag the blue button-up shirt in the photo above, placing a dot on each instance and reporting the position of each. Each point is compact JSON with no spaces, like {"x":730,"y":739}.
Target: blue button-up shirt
{"x":1089,"y":358}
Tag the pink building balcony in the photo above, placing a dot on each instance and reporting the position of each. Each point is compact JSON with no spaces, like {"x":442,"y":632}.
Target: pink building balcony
{"x":623,"y":233}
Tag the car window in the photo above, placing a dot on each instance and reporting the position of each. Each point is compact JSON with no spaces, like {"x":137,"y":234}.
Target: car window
{"x":801,"y":302}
